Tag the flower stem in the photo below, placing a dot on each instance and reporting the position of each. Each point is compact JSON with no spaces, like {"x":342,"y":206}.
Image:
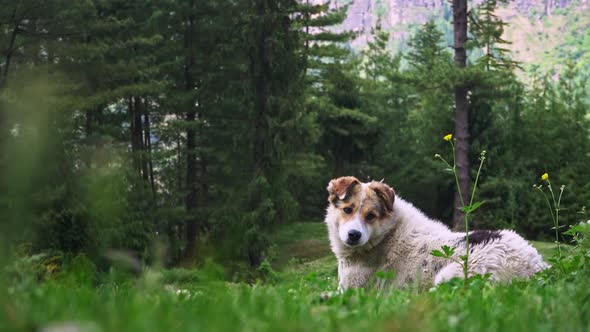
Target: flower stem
{"x":554,"y":217}
{"x":482,"y":159}
{"x":456,"y":175}
{"x":556,"y":220}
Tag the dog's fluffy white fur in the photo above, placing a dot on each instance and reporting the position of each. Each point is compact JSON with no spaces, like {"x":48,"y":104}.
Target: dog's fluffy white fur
{"x":404,"y":242}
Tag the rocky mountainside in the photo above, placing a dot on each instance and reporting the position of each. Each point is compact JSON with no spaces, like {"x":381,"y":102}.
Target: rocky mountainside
{"x":542,"y":31}
{"x":363,"y":14}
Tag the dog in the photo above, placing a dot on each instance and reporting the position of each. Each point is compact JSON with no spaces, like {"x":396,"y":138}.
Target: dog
{"x":372,"y":229}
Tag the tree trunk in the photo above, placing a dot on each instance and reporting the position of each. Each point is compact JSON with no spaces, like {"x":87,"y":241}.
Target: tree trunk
{"x":142,"y":136}
{"x":136,"y":133}
{"x":89,"y":129}
{"x":203,"y":186}
{"x":9,"y":51}
{"x":261,"y":72}
{"x":191,"y":156}
{"x":179,"y":170}
{"x":4,"y":127}
{"x":148,"y":148}
{"x":88,"y":126}
{"x":461,"y":111}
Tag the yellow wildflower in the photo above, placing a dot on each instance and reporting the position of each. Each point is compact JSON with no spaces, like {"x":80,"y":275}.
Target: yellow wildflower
{"x":545,"y":177}
{"x":448,"y":137}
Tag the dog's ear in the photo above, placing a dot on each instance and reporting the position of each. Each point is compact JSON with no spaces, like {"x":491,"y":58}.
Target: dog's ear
{"x":342,"y":187}
{"x":385,"y":193}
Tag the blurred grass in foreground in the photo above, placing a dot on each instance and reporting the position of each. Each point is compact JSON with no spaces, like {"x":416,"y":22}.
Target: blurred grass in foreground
{"x":302,"y":298}
{"x":298,"y":304}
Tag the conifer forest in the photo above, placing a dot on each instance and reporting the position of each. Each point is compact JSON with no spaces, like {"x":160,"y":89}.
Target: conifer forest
{"x":164,"y":163}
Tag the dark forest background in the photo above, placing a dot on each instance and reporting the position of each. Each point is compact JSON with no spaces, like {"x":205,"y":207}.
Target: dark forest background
{"x":202,"y":127}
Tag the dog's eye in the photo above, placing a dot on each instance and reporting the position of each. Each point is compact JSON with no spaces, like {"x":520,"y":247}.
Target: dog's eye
{"x":369,"y":217}
{"x":347,"y":210}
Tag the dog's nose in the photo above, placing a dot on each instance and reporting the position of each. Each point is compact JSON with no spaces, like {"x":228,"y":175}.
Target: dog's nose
{"x":354,"y":236}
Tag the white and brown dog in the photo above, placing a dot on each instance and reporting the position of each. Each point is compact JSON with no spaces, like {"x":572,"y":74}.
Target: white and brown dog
{"x":370,"y":230}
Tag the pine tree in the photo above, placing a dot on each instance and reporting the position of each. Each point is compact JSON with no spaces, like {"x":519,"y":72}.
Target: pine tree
{"x":334,"y":93}
{"x":461,"y":109}
{"x":377,"y":59}
{"x":429,"y":60}
{"x":430,"y":75}
{"x":487,"y":29}
{"x":193,"y":111}
{"x":275,"y":73}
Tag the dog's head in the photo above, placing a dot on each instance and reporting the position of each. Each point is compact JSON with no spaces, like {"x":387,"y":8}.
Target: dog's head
{"x":362,"y":211}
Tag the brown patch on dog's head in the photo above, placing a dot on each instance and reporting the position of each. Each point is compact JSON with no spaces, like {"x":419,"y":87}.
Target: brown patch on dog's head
{"x":360,"y":212}
{"x":377,"y":203}
{"x":342,"y":188}
{"x":374,"y":201}
{"x":385,"y":193}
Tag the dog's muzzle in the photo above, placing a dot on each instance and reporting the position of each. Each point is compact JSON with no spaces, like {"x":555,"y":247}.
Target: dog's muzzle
{"x":353,"y":237}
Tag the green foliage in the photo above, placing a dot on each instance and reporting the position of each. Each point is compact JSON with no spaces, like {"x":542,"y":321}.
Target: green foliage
{"x":28,"y":269}
{"x":427,"y":53}
{"x":78,"y":271}
{"x":303,"y":297}
{"x":488,"y":29}
{"x":552,"y":300}
{"x":467,"y":207}
{"x":175,"y":131}
{"x":447,"y":252}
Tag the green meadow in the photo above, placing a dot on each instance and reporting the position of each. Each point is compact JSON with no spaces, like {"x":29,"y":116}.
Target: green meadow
{"x":300,"y":296}
{"x":158,"y":157}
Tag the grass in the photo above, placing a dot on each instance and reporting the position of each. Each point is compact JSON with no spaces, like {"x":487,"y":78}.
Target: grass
{"x":300,"y":243}
{"x":302,"y":299}
{"x":308,"y":241}
{"x":548,"y":249}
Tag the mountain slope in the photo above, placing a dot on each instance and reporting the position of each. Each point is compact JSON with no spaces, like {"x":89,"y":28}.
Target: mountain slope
{"x":544,"y":32}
